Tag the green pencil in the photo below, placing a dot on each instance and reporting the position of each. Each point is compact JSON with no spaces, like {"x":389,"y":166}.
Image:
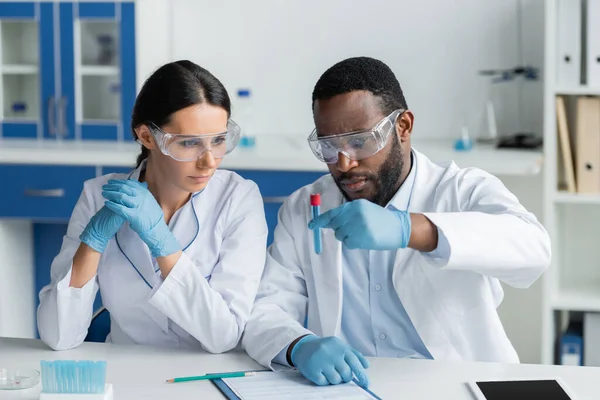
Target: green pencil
{"x":211,"y":376}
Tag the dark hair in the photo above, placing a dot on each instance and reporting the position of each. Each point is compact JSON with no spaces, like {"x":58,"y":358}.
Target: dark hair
{"x":171,"y":88}
{"x":361,"y":73}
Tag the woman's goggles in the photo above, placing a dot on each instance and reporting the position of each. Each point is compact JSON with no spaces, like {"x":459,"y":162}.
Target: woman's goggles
{"x":356,"y":145}
{"x":192,"y":147}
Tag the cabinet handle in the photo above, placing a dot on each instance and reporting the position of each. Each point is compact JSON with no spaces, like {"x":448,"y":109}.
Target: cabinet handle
{"x":62,"y":117}
{"x":274,"y":199}
{"x":52,"y":115}
{"x":45,"y":192}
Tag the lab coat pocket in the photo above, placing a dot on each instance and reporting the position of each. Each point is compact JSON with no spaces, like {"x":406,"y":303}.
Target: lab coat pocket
{"x":459,"y":292}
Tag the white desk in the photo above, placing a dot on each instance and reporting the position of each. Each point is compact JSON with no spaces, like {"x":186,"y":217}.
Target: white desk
{"x":139,"y":372}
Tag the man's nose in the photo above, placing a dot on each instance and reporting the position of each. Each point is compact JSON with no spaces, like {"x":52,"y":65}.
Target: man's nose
{"x":344,"y":163}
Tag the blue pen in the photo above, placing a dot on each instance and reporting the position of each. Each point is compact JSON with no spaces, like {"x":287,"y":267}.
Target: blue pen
{"x":315,"y":205}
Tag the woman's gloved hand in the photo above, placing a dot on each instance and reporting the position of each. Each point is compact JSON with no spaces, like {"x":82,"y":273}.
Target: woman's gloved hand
{"x":132,"y":200}
{"x":101,"y":228}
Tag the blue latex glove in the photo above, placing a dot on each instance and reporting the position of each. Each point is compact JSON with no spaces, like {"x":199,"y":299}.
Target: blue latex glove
{"x":329,"y":360}
{"x":132,"y":200}
{"x":361,"y":224}
{"x":102,"y":226}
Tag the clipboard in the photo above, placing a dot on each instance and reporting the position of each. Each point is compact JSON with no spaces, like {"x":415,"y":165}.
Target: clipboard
{"x":227,"y":392}
{"x":231,"y":395}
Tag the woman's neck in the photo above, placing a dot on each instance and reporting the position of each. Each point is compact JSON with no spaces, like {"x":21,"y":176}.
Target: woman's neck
{"x":169,"y":197}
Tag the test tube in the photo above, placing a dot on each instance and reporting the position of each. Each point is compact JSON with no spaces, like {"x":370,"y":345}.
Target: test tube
{"x":315,"y":205}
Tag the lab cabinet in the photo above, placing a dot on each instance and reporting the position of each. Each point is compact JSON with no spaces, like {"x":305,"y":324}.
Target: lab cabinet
{"x":67,"y":70}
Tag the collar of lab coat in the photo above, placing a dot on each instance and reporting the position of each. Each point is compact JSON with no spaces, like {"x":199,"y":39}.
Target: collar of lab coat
{"x":135,"y":174}
{"x":401,"y":199}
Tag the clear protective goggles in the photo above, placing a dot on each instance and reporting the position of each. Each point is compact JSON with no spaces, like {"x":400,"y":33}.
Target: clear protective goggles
{"x":356,"y":145}
{"x":192,"y":147}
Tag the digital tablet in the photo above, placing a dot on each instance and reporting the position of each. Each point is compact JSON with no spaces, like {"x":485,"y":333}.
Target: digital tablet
{"x":547,"y":389}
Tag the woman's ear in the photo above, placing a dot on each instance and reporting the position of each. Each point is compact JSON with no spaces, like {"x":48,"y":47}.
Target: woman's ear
{"x":145,"y":137}
{"x":404,"y":125}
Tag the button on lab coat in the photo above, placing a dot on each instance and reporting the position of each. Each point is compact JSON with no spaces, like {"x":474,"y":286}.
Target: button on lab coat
{"x":205,"y":300}
{"x":452,"y":303}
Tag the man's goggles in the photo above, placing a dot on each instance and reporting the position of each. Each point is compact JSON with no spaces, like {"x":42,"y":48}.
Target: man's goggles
{"x":356,"y":145}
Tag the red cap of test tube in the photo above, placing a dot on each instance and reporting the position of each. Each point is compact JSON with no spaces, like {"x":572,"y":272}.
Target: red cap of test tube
{"x":315,"y":199}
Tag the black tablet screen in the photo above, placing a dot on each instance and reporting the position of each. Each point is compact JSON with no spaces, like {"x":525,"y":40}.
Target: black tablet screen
{"x":523,"y":390}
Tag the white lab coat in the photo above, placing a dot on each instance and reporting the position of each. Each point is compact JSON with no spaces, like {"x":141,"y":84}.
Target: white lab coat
{"x":205,"y":300}
{"x":452,"y":304}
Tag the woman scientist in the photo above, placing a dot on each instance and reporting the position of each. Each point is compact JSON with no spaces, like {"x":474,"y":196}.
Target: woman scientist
{"x":176,"y":247}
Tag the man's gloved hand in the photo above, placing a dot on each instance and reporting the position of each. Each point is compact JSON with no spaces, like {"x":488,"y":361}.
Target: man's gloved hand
{"x":361,"y":224}
{"x":329,"y":360}
{"x":132,"y":200}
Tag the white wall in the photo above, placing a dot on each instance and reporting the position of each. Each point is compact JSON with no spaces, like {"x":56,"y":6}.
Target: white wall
{"x":532,"y":53}
{"x":153,"y":37}
{"x":280,"y":48}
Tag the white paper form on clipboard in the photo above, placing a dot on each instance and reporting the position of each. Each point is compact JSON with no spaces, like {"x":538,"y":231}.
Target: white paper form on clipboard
{"x":290,"y":385}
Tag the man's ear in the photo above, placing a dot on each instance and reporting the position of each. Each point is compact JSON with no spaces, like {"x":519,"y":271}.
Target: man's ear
{"x":145,"y":137}
{"x":404,"y":125}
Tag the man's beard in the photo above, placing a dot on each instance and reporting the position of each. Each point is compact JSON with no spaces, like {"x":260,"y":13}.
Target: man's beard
{"x":386,"y":181}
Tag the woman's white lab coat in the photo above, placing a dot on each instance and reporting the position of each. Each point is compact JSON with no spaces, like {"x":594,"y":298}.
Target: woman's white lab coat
{"x":452,"y":304}
{"x":205,"y":300}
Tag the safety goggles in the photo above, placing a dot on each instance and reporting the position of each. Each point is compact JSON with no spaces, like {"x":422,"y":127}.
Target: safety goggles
{"x":192,"y":147}
{"x":356,"y":145}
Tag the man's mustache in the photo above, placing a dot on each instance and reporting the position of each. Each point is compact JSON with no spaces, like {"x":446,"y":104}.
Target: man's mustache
{"x":354,"y":177}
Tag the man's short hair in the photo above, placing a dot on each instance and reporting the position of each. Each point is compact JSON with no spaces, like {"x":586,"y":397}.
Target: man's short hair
{"x":361,"y":73}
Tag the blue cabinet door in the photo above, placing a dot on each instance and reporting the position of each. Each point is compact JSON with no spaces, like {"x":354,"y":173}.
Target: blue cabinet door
{"x":28,"y":69}
{"x":98,"y":88}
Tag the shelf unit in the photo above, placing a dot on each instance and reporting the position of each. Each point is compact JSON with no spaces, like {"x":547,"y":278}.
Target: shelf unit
{"x":581,"y":90}
{"x":572,"y":283}
{"x":19,"y":67}
{"x":576,"y":198}
{"x":67,"y":69}
{"x":97,"y":72}
{"x":579,"y":299}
